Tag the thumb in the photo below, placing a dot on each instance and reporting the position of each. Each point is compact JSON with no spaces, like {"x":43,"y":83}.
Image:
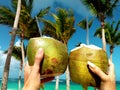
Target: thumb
{"x":38,"y":58}
{"x":97,"y":71}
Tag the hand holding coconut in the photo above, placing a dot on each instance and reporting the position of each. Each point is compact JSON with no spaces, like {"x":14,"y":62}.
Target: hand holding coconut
{"x":88,"y":74}
{"x":32,"y":74}
{"x":107,"y":80}
{"x":55,"y":60}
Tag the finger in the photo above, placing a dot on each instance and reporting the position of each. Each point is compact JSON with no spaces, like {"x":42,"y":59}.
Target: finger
{"x":27,"y":71}
{"x":27,"y":66}
{"x":97,"y":71}
{"x":38,"y":58}
{"x":47,"y":79}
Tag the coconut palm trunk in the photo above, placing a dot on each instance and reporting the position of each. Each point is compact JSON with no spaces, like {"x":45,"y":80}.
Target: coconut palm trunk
{"x":112,"y":35}
{"x":87,"y":31}
{"x":22,"y":50}
{"x":22,"y":62}
{"x":86,"y":25}
{"x":20,"y":73}
{"x":8,"y":59}
{"x":103,"y":34}
{"x":62,"y":29}
{"x":67,"y":79}
{"x":101,"y":9}
{"x":57,"y":83}
{"x":111,"y":51}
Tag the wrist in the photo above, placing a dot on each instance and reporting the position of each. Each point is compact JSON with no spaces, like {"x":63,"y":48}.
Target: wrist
{"x":108,"y":85}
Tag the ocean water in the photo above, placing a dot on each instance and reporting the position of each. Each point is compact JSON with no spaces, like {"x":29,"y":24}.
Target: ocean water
{"x":13,"y":85}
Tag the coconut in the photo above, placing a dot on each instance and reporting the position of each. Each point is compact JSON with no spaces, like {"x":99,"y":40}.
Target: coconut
{"x":79,"y":71}
{"x":55,"y":55}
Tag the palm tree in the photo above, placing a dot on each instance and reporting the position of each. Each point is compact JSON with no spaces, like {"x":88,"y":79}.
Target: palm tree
{"x":28,"y":27}
{"x":62,"y":29}
{"x":8,"y":59}
{"x":102,"y":9}
{"x":85,"y":25}
{"x":18,"y":55}
{"x":112,"y":35}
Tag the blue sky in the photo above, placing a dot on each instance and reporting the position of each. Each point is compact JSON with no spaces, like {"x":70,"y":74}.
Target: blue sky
{"x":80,"y":35}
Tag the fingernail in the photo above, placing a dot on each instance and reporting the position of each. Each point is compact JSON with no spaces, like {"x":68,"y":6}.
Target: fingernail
{"x":40,"y":50}
{"x":90,"y":64}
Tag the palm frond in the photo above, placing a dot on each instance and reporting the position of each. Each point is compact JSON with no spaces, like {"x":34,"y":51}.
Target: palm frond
{"x":43,"y":12}
{"x":62,"y":27}
{"x":112,"y":7}
{"x":112,"y":34}
{"x":100,"y":6}
{"x":82,"y":24}
{"x":49,"y":28}
{"x":6,"y":16}
{"x":90,"y":23}
{"x":16,"y":52}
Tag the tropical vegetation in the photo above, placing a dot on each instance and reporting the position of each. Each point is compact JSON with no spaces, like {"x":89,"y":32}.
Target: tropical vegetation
{"x":62,"y":29}
{"x":26,"y":28}
{"x":86,"y":25}
{"x":8,"y":59}
{"x":102,"y":9}
{"x":112,"y":35}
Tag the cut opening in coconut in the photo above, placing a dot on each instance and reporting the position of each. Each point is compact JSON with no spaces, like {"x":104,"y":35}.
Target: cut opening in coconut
{"x":88,"y":46}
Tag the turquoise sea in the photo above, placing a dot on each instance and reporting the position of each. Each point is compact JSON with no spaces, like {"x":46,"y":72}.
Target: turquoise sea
{"x":13,"y":85}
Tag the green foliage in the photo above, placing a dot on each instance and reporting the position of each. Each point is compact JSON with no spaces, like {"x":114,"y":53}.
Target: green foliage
{"x":16,"y":53}
{"x":27,"y":23}
{"x":83,"y":24}
{"x":63,"y":26}
{"x":112,"y":33}
{"x":6,"y":15}
{"x":101,"y":8}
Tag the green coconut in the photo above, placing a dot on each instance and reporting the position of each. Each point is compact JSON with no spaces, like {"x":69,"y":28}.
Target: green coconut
{"x":55,"y":55}
{"x":79,"y":71}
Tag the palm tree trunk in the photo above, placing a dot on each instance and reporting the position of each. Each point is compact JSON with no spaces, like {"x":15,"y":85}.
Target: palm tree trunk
{"x":111,"y":51}
{"x":20,"y":73}
{"x":22,"y":50}
{"x":57,"y":83}
{"x":111,"y":56}
{"x":67,"y":79}
{"x":103,"y":39}
{"x":8,"y":59}
{"x":22,"y":63}
{"x":87,"y":32}
{"x":103,"y":36}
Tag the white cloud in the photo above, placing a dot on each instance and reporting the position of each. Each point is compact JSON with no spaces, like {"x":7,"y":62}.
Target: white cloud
{"x":14,"y":66}
{"x":17,"y":43}
{"x":0,"y":47}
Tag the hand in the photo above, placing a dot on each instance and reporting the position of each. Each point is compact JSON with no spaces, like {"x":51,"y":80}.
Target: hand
{"x":107,"y":80}
{"x":32,"y":74}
